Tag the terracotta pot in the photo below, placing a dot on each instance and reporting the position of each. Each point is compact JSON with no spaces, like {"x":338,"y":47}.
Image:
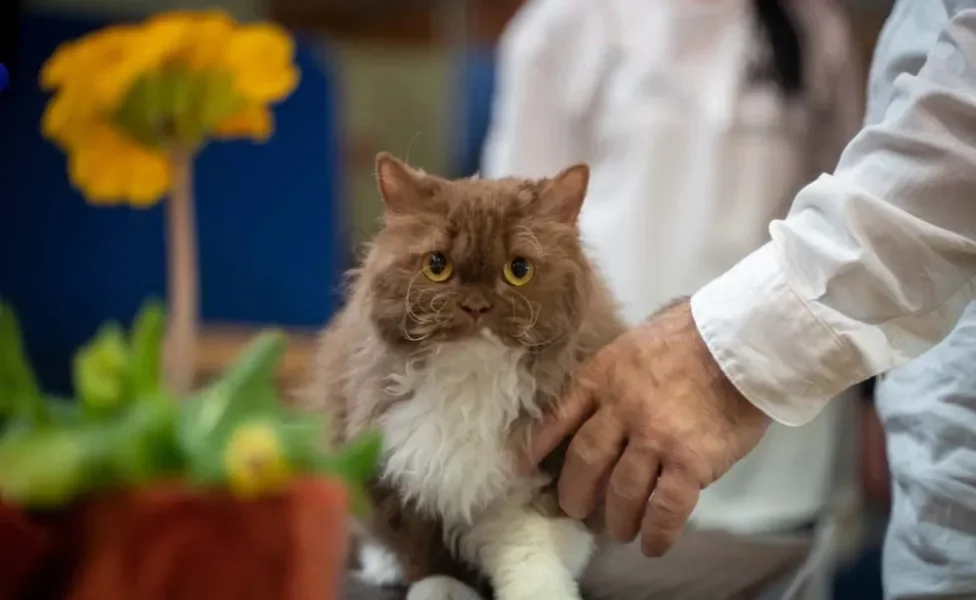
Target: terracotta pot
{"x":24,"y":546}
{"x":172,"y":542}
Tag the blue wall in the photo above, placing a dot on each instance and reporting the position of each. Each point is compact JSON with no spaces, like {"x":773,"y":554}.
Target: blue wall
{"x":477,"y":83}
{"x":271,"y":236}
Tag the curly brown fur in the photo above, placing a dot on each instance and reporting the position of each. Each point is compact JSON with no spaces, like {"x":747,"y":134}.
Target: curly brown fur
{"x":402,"y":337}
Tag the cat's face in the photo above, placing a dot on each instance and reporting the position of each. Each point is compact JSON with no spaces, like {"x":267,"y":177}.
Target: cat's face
{"x":459,"y":258}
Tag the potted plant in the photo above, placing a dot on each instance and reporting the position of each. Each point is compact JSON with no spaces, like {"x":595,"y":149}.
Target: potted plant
{"x":130,"y":491}
{"x":133,"y":105}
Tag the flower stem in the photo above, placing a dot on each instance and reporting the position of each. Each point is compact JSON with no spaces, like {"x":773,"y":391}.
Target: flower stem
{"x":182,"y":276}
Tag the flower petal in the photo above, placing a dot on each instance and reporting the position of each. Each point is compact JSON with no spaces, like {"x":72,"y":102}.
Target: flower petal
{"x":255,"y":122}
{"x":261,"y":58}
{"x":110,"y":169}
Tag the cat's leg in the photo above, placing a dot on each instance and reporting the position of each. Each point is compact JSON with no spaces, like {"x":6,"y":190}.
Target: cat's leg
{"x":530,"y":556}
{"x":378,"y":566}
{"x":441,"y":587}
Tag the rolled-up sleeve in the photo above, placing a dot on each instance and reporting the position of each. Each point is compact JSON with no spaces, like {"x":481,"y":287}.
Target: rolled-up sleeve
{"x":875,"y":263}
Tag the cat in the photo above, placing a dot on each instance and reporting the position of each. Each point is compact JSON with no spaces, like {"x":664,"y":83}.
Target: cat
{"x":462,"y":328}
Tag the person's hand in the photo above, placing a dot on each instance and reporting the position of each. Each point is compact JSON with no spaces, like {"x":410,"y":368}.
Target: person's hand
{"x":653,"y":413}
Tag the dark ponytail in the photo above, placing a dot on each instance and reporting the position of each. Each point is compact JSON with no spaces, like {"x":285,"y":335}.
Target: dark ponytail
{"x":784,"y":38}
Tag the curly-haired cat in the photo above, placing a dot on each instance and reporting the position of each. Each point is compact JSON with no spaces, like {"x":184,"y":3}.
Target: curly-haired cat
{"x":463,"y":326}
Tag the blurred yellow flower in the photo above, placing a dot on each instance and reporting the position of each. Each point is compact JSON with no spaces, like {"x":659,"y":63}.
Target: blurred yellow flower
{"x":111,"y":169}
{"x":255,"y":461}
{"x":126,"y":96}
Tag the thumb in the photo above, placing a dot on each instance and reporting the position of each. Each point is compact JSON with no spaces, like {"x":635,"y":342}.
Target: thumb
{"x":574,"y":408}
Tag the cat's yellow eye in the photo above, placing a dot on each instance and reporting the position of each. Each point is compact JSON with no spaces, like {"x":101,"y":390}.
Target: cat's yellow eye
{"x":437,"y":267}
{"x":518,"y":271}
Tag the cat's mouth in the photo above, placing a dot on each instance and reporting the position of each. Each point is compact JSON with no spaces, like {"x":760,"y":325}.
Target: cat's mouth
{"x":510,"y":332}
{"x":458,"y":331}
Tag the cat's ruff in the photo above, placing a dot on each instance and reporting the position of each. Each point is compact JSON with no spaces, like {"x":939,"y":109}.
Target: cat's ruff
{"x":448,"y":451}
{"x":447,"y":448}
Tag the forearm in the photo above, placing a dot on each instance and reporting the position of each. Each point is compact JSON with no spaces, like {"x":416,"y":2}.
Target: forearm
{"x":874,"y":264}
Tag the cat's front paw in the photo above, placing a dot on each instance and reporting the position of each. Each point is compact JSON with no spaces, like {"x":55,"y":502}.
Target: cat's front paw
{"x":441,"y":587}
{"x":529,"y":585}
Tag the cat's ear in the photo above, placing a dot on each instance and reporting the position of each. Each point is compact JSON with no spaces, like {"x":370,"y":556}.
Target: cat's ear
{"x":401,"y":186}
{"x":562,"y":196}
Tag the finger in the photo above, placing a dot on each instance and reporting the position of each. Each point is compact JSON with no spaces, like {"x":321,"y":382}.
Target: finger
{"x":591,"y":455}
{"x":675,"y":496}
{"x":572,"y":410}
{"x":631,"y":484}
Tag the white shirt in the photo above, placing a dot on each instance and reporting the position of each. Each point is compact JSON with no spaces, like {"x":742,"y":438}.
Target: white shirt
{"x":690,"y":161}
{"x":876,"y":262}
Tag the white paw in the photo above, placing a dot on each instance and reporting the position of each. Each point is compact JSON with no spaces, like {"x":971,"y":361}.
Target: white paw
{"x":539,"y":590}
{"x":538,"y":582}
{"x":378,"y":566}
{"x":576,"y":545}
{"x":441,"y":587}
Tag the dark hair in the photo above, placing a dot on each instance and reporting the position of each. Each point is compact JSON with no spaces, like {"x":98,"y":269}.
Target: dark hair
{"x":784,"y":38}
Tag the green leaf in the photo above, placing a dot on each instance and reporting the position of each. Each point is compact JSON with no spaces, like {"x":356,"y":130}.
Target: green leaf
{"x":146,"y":341}
{"x":358,"y":460}
{"x":356,"y":464}
{"x":359,"y":503}
{"x":141,"y":443}
{"x":48,"y":468}
{"x":101,"y":371}
{"x":244,"y":391}
{"x":20,"y":396}
{"x":303,"y":436}
{"x":64,"y":412}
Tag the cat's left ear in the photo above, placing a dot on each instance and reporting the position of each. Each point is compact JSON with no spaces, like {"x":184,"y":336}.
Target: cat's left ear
{"x":562,"y":196}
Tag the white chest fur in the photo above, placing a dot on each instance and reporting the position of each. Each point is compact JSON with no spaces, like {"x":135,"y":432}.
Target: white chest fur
{"x":447,"y":445}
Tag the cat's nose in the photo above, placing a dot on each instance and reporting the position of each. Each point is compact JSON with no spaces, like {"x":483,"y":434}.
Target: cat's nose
{"x":475,"y":307}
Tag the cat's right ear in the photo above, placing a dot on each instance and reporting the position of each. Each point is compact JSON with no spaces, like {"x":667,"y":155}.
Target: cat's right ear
{"x":402,"y":187}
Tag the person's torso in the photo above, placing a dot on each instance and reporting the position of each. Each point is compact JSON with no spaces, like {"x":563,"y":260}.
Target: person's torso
{"x":692,"y":157}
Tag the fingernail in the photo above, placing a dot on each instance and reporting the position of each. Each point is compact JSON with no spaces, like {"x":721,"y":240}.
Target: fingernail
{"x":571,"y":511}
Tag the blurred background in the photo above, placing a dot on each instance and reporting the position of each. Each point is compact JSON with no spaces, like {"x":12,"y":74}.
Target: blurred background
{"x":279,"y":222}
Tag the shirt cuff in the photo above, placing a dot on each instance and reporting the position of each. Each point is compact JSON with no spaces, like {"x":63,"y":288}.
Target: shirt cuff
{"x":768,"y":342}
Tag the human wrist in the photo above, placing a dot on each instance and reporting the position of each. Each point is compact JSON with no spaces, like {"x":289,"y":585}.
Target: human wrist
{"x":681,"y":333}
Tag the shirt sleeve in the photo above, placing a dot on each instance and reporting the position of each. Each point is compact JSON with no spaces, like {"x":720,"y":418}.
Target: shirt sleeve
{"x":549,"y":61}
{"x":874,"y":264}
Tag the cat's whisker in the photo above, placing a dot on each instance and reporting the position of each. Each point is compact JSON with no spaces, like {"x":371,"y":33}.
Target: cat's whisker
{"x":527,"y":330}
{"x":406,"y":298}
{"x":562,"y":332}
{"x":409,"y":303}
{"x":441,"y":301}
{"x":555,"y":339}
{"x":414,"y":337}
{"x":530,"y":339}
{"x":535,"y":311}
